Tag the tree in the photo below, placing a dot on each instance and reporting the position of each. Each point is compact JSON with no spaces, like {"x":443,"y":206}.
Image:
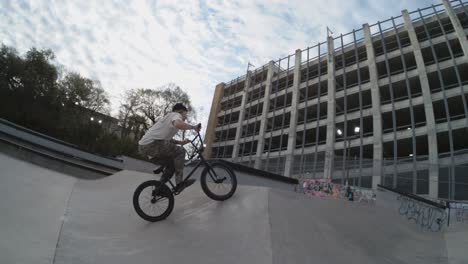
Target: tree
{"x":10,"y":69}
{"x":127,"y":111}
{"x":28,"y":86}
{"x":149,"y":105}
{"x":40,"y":75}
{"x":85,"y":92}
{"x":152,"y":104}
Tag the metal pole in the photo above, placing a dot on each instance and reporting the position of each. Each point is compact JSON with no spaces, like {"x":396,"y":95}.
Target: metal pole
{"x":346,"y":160}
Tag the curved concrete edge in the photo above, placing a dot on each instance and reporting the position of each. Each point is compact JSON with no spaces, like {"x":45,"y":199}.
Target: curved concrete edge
{"x":45,"y":141}
{"x":51,"y":162}
{"x":33,"y":202}
{"x":259,"y":173}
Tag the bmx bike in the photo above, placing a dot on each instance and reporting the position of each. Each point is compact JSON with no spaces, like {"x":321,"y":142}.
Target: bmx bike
{"x":153,"y":200}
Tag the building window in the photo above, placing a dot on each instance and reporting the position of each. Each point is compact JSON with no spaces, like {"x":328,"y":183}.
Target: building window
{"x":276,"y":143}
{"x":313,"y":90}
{"x":251,"y":129}
{"x":312,"y":71}
{"x":396,"y":65}
{"x":256,"y":94}
{"x":280,"y":102}
{"x":233,"y":89}
{"x":310,"y":113}
{"x":282,"y":84}
{"x":232,"y":103}
{"x":248,"y":148}
{"x":442,"y":52}
{"x":278,"y":122}
{"x":400,"y":91}
{"x":253,"y":111}
{"x":228,"y":119}
{"x":310,"y":137}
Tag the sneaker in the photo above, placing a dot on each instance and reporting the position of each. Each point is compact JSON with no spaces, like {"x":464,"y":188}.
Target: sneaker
{"x":181,"y":186}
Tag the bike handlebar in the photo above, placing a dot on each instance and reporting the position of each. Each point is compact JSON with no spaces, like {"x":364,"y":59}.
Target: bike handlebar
{"x":198,"y":126}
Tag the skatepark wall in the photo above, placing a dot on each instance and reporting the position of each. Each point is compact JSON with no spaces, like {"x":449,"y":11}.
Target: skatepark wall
{"x":21,"y":133}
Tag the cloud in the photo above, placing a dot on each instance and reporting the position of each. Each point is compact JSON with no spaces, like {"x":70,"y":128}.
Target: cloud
{"x":195,"y":44}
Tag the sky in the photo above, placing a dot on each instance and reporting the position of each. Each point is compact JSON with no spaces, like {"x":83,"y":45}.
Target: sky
{"x":195,"y":44}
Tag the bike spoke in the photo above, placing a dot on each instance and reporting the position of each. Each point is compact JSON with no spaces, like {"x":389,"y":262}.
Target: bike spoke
{"x":158,"y":207}
{"x":222,"y":187}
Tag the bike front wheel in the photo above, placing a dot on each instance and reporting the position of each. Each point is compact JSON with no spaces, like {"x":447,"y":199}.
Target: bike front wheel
{"x":218,"y":181}
{"x":153,"y":201}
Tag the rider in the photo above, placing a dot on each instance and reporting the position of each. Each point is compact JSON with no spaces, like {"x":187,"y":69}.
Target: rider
{"x":158,"y":142}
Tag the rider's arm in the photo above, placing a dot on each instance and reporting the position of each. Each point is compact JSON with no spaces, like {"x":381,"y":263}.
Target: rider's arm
{"x":182,"y":125}
{"x":178,"y":142}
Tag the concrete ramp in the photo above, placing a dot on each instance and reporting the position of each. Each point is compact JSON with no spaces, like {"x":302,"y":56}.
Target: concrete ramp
{"x":53,"y":218}
{"x":258,"y":225}
{"x":314,"y":230}
{"x":102,"y":227}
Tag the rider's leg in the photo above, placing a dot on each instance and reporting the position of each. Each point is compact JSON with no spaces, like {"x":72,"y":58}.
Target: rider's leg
{"x":179,"y":161}
{"x":178,"y":153}
{"x":168,"y":150}
{"x":160,"y":150}
{"x":150,"y":150}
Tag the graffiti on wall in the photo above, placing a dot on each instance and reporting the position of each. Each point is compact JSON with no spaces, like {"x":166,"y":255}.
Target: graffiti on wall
{"x":461,"y":211}
{"x":325,"y":188}
{"x":428,"y":217}
{"x":365,"y":195}
{"x":319,"y":187}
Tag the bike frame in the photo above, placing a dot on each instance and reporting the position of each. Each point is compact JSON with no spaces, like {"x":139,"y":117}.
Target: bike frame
{"x":199,"y":152}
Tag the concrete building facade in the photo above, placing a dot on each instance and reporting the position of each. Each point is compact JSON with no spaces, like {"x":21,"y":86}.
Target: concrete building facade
{"x":383,"y":104}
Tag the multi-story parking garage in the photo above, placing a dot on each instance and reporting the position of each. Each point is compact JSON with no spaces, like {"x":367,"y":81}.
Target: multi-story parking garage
{"x":384,"y":104}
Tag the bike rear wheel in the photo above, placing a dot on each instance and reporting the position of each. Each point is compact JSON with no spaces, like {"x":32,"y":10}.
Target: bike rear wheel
{"x":218,"y":181}
{"x":153,"y":201}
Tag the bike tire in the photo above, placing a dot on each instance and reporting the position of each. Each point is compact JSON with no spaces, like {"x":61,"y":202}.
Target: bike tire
{"x":164,"y":191}
{"x":211,"y":169}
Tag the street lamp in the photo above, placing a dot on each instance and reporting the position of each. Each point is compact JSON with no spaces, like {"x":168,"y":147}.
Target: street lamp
{"x":348,"y":140}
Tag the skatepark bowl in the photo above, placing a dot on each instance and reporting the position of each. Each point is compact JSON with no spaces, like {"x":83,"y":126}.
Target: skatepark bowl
{"x":52,"y":217}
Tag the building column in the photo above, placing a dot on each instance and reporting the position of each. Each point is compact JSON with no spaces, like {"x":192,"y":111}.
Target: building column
{"x":210,"y":133}
{"x":428,"y":109}
{"x":263,"y":118}
{"x":293,"y":120}
{"x":376,"y":113}
{"x":238,"y":125}
{"x":331,"y":111}
{"x":459,"y":31}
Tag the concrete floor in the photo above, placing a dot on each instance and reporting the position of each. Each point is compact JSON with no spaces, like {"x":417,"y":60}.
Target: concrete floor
{"x":48,"y":217}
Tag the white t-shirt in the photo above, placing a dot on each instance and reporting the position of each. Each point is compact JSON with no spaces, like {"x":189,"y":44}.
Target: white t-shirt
{"x":162,"y":130}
